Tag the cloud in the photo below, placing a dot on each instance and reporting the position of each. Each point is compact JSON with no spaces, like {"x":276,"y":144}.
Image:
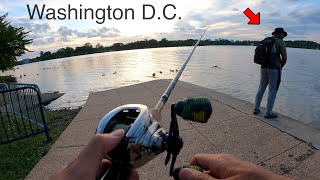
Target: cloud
{"x":184,"y":27}
{"x":2,"y":10}
{"x":103,"y":32}
{"x":65,"y":31}
{"x":312,"y":16}
{"x":35,"y":28}
{"x":43,"y":41}
{"x":65,"y":36}
{"x":274,"y":14}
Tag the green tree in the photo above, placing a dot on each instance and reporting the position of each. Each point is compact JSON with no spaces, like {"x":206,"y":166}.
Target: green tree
{"x":68,"y":51}
{"x":99,"y":46}
{"x":88,"y":45}
{"x":12,"y":43}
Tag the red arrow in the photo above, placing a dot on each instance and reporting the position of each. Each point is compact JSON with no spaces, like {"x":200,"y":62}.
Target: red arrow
{"x":254,"y":18}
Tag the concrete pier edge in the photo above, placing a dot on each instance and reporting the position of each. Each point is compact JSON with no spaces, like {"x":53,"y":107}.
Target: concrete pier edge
{"x":286,"y":146}
{"x":284,"y":123}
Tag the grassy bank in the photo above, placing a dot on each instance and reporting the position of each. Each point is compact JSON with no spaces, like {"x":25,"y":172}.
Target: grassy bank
{"x":19,"y":157}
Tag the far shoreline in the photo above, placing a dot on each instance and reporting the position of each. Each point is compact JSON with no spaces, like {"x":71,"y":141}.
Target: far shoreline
{"x":89,"y":48}
{"x":23,"y":61}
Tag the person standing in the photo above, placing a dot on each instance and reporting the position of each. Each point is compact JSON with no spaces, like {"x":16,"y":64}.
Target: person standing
{"x":271,"y":74}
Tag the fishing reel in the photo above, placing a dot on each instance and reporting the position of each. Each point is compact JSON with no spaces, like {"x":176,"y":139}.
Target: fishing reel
{"x":145,"y":138}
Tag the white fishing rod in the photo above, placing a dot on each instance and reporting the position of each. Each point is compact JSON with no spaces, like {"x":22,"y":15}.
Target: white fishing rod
{"x":156,"y":112}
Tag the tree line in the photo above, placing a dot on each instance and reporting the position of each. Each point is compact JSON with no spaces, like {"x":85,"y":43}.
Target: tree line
{"x":88,"y":48}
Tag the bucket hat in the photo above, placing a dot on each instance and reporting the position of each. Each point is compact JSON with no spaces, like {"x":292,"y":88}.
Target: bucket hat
{"x":280,"y":30}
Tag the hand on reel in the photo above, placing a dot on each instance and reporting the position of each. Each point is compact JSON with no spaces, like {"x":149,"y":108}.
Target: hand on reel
{"x":145,"y":138}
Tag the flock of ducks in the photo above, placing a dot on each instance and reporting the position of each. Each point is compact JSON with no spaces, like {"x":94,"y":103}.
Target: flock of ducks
{"x":45,"y":68}
{"x":153,"y":74}
{"x":112,"y":73}
{"x":171,"y":71}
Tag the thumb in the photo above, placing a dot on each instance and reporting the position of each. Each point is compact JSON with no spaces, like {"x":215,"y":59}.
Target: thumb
{"x":98,"y":148}
{"x":111,"y":141}
{"x":191,"y":174}
{"x":89,"y":160}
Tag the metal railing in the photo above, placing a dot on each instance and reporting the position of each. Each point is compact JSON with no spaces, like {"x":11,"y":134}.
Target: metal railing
{"x":3,"y":86}
{"x":13,"y":85}
{"x":21,"y":114}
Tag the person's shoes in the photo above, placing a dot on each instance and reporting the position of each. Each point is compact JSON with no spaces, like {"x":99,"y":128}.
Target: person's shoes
{"x":271,"y":116}
{"x":256,"y":111}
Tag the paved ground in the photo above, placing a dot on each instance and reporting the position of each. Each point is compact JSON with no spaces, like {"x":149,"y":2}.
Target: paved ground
{"x":231,"y":129}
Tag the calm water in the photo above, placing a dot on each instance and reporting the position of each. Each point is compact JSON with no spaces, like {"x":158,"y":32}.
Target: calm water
{"x":236,"y":75}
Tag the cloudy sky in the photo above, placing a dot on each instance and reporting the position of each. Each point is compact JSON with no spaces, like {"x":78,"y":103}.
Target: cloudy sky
{"x":300,"y":18}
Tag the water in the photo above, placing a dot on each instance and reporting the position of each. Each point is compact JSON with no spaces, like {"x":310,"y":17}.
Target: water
{"x":235,"y":74}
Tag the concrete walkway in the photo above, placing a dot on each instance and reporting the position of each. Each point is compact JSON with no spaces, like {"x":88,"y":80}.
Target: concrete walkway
{"x":231,"y":129}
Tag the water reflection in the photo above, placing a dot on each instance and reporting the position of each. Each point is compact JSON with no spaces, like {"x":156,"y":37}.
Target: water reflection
{"x":228,"y":69}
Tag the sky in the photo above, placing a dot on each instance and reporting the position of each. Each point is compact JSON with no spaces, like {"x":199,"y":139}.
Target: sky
{"x":300,"y":18}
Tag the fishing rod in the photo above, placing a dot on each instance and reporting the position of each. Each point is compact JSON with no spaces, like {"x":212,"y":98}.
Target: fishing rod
{"x":164,"y":98}
{"x":144,"y":137}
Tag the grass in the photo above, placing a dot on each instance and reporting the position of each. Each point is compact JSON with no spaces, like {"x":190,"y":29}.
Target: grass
{"x":12,"y":125}
{"x":7,"y":79}
{"x":19,"y":157}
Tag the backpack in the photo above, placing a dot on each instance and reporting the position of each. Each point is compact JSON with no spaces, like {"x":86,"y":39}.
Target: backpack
{"x":262,"y":53}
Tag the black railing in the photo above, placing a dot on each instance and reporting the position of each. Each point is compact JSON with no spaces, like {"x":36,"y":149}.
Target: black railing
{"x":21,"y":114}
